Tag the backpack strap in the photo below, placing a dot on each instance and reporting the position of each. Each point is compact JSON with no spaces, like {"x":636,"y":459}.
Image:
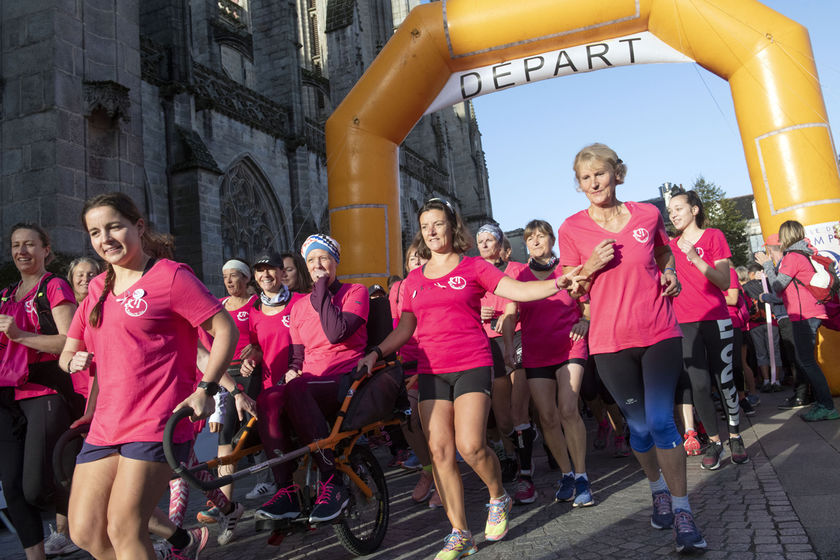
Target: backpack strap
{"x":42,"y":306}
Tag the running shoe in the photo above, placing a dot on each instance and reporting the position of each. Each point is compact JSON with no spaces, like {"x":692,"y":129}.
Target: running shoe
{"x":691,"y":443}
{"x":399,"y":458}
{"x":227,"y":523}
{"x":621,"y":449}
{"x":332,"y":498}
{"x":525,"y":491}
{"x":583,"y":493}
{"x":711,"y":459}
{"x":754,"y":399}
{"x":209,"y":515}
{"x":687,"y":535}
{"x":262,"y":490}
{"x":662,"y":516}
{"x":601,"y":437}
{"x":739,"y":452}
{"x":567,"y":489}
{"x":58,"y":543}
{"x":497,"y":518}
{"x":198,"y":540}
{"x":776,"y":388}
{"x":766,"y":387}
{"x":435,"y":501}
{"x":747,"y":407}
{"x":509,"y":469}
{"x":423,"y":488}
{"x":794,"y":402}
{"x":457,"y":545}
{"x":285,"y":504}
{"x":412,"y":463}
{"x":818,"y":412}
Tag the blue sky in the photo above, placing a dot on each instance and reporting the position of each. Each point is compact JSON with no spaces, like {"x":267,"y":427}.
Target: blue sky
{"x":668,"y":122}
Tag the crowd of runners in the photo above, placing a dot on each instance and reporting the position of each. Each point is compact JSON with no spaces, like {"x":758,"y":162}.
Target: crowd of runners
{"x":653,"y":334}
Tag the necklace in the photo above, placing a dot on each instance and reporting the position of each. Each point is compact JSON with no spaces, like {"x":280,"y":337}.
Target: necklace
{"x":602,"y":220}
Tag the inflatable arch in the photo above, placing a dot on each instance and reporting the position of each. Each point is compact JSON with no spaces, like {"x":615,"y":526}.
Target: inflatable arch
{"x":450,"y":50}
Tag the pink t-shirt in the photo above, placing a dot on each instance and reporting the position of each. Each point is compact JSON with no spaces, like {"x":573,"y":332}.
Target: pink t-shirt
{"x":241,"y":316}
{"x":410,"y":351}
{"x":272,"y":334}
{"x":449,"y":331}
{"x":394,"y":301}
{"x":798,"y":299}
{"x":321,"y":357}
{"x":58,"y":292}
{"x":699,"y":299}
{"x":546,"y":324}
{"x":738,"y":312}
{"x":145,"y":352}
{"x":498,"y":303}
{"x":627,"y":307}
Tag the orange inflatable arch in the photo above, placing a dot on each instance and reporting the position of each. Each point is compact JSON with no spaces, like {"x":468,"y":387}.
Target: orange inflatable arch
{"x":454,"y":49}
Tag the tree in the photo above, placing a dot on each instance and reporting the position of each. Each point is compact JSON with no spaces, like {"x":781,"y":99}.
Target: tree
{"x":723,"y":215}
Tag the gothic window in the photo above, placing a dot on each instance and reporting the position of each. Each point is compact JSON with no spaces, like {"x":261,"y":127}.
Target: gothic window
{"x":314,"y":43}
{"x":252,"y":219}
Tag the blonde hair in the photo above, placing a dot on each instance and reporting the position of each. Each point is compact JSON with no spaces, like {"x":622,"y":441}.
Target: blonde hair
{"x":790,"y":232}
{"x":603,"y":154}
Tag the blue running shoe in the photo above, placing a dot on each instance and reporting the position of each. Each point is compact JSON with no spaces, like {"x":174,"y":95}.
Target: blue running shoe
{"x":686,"y":533}
{"x":567,"y":489}
{"x":663,"y":517}
{"x":583,"y":493}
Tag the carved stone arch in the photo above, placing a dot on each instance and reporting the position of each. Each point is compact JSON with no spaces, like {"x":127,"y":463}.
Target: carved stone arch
{"x":252,"y":218}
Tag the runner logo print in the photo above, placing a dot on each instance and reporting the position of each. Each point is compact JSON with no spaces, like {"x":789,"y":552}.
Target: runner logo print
{"x":457,"y":283}
{"x":242,"y":316}
{"x":135,"y":305}
{"x":641,"y":235}
{"x":287,"y":321}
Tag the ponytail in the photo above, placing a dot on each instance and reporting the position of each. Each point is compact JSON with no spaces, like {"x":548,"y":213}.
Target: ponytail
{"x":95,"y":317}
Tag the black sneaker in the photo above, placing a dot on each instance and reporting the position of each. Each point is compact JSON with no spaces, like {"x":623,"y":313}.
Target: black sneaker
{"x":747,"y":407}
{"x":793,"y":402}
{"x":711,"y":459}
{"x":285,"y":504}
{"x":332,"y":499}
{"x":510,"y":469}
{"x":739,"y":452}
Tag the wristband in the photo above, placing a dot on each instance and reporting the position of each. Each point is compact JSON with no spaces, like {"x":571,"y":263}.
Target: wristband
{"x":68,"y":364}
{"x":672,"y":269}
{"x":378,"y":352}
{"x":237,"y":389}
{"x":210,"y":387}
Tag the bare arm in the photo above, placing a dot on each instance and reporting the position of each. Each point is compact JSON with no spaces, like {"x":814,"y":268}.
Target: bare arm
{"x":48,"y":343}
{"x":732,"y":296}
{"x":515,"y":290}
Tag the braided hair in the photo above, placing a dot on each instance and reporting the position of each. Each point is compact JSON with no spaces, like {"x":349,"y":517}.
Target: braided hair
{"x":158,"y":245}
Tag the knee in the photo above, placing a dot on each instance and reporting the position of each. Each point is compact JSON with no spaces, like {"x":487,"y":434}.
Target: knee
{"x":270,"y":399}
{"x":550,"y":420}
{"x":36,"y":492}
{"x":471,"y":449}
{"x":89,"y":532}
{"x":568,"y":410}
{"x":441,"y":452}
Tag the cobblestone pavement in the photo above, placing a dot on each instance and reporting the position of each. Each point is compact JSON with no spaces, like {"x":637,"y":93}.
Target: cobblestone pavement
{"x":742,"y":509}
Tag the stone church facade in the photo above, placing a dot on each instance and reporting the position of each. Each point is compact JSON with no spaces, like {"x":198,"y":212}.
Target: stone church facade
{"x":209,"y":113}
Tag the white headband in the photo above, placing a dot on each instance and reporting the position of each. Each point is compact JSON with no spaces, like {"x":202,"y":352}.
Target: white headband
{"x":238,"y":265}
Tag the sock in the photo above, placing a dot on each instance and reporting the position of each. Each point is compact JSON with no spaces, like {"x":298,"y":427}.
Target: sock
{"x":680,"y":502}
{"x":572,"y":474}
{"x":499,"y":500}
{"x":658,"y":485}
{"x":521,"y":427}
{"x":525,"y":474}
{"x":581,"y":475}
{"x":180,"y":539}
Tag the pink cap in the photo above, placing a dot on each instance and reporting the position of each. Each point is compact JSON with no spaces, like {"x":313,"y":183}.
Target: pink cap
{"x":772,"y":239}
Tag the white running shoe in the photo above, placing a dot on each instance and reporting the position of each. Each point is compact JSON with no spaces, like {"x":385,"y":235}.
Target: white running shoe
{"x":58,"y":543}
{"x":228,"y":524}
{"x":262,"y":490}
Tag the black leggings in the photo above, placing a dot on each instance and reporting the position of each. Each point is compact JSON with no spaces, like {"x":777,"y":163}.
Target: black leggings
{"x":231,"y":423}
{"x":707,"y":354}
{"x":592,"y":386}
{"x":643,"y":381}
{"x":29,"y":430}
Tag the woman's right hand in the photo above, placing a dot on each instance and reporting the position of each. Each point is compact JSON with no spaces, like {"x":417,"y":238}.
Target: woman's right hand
{"x":247,"y":368}
{"x":80,"y":361}
{"x":487,"y":312}
{"x":601,"y":256}
{"x":87,"y":418}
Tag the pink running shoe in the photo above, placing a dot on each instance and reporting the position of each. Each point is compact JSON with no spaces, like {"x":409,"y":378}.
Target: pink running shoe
{"x":525,"y":491}
{"x":691,"y":443}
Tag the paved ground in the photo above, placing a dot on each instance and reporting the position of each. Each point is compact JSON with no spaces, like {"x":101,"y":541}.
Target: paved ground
{"x":784,"y":504}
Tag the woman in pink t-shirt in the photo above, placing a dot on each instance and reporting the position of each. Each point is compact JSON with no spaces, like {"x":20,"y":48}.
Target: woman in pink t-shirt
{"x":32,"y":415}
{"x":295,"y":275}
{"x":633,"y":334}
{"x":141,"y":317}
{"x":554,"y":353}
{"x":328,"y":336}
{"x":805,"y":312}
{"x":441,"y":307}
{"x":702,"y":262}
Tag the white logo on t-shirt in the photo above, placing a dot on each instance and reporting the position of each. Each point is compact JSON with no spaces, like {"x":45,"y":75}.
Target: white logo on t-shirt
{"x":641,"y":235}
{"x":134,"y":304}
{"x":242,"y":315}
{"x":286,"y":321}
{"x":457,"y":283}
{"x":699,"y":251}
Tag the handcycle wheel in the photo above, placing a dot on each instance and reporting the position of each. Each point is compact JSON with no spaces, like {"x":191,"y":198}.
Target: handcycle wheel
{"x":363,"y":525}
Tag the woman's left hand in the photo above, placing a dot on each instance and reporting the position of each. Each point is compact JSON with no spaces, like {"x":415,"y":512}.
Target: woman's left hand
{"x":579,"y":329}
{"x":761,"y":257}
{"x":9,"y":327}
{"x":202,"y":404}
{"x":244,"y":404}
{"x":670,"y":283}
{"x":571,"y":279}
{"x":687,"y":247}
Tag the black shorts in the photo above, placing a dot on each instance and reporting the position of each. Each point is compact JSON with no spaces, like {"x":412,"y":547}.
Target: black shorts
{"x":497,"y":348}
{"x":151,"y":451}
{"x":550,"y":372}
{"x":450,"y":386}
